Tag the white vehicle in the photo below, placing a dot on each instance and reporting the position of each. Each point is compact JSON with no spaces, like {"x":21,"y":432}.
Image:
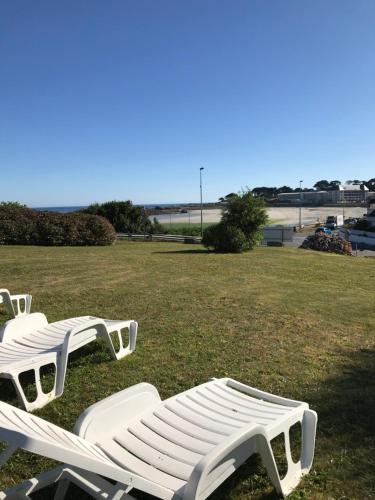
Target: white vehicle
{"x":334,"y":221}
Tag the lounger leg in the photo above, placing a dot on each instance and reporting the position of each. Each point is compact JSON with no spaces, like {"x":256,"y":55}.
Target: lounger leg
{"x":20,"y":392}
{"x":92,"y":484}
{"x":25,"y":489}
{"x":295,"y":470}
{"x":123,"y":350}
{"x":309,"y":423}
{"x":7,"y":453}
{"x":265,"y":450}
{"x":42,"y":398}
{"x":62,"y":488}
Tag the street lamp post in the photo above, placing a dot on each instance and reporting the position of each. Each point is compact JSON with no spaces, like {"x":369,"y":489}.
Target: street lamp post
{"x":200,"y":184}
{"x":300,"y":205}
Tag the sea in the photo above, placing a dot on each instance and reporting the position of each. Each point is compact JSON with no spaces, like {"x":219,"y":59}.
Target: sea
{"x":76,"y":208}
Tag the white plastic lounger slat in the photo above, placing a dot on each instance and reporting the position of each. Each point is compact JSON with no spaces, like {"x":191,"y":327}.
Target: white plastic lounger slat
{"x":163,"y":445}
{"x":128,"y":461}
{"x":19,"y":423}
{"x":85,"y":446}
{"x":153,"y":457}
{"x":36,"y":428}
{"x":29,"y":343}
{"x":138,"y":445}
{"x":185,"y":426}
{"x":255,"y":401}
{"x":198,"y":419}
{"x":176,"y":436}
{"x":39,"y":344}
{"x":234,"y":411}
{"x":191,"y":402}
{"x":227,"y":398}
{"x":44,"y":336}
{"x":12,"y":348}
{"x":219,"y":413}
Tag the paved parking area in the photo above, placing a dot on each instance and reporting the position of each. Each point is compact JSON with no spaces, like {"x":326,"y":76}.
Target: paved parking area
{"x":281,"y":215}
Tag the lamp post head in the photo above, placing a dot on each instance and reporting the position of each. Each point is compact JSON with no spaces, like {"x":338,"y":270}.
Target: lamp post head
{"x":202,"y":168}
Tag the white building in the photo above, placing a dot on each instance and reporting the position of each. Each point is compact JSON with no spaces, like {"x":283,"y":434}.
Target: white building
{"x":346,"y":193}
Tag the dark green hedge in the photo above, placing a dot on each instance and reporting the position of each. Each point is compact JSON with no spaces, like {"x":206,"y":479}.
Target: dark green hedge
{"x":23,"y":226}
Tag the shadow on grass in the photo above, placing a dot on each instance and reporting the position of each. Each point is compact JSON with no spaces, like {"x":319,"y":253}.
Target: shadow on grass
{"x":346,"y":403}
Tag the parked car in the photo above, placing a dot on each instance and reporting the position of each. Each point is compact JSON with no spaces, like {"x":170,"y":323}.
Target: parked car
{"x":351,"y":221}
{"x":322,"y":229}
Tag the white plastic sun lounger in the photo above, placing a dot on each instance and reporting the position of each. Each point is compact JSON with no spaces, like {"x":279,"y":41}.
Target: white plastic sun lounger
{"x":180,"y":448}
{"x":17,"y":305}
{"x":30,"y":343}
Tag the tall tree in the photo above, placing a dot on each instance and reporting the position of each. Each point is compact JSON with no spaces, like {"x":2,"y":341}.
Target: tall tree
{"x":266,"y":192}
{"x":322,"y":185}
{"x":284,"y":189}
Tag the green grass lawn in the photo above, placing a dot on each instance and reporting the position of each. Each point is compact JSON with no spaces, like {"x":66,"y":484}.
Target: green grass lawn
{"x":294,"y":322}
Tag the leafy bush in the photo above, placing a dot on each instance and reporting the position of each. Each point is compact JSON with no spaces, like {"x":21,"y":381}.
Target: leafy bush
{"x":224,"y":238}
{"x":123,"y":215}
{"x":158,"y":228}
{"x":241,"y":225}
{"x":20,"y":225}
{"x":327,"y":243}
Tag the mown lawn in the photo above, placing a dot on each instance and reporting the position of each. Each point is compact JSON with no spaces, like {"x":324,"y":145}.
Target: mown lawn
{"x":294,"y":322}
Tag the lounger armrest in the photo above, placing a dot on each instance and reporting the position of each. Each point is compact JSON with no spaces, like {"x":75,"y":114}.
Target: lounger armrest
{"x":221,"y":462}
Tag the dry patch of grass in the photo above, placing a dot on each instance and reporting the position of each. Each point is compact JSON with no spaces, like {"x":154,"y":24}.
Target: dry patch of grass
{"x":289,"y":321}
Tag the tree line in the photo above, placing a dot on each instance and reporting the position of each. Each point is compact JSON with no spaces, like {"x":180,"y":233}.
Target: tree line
{"x":322,"y":185}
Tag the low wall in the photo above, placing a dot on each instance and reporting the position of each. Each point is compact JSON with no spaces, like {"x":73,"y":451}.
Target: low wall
{"x":277,"y":233}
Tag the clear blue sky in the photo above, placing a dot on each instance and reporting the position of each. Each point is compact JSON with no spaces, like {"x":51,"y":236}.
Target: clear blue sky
{"x":127,"y":99}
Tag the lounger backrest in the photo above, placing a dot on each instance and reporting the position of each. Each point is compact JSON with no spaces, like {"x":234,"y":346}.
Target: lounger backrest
{"x":18,"y":327}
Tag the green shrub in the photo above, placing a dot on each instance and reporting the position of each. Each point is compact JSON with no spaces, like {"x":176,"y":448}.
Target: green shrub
{"x":248,"y":213}
{"x":123,"y":215}
{"x":20,"y":225}
{"x":157,"y":227}
{"x":241,"y":225}
{"x":224,"y":238}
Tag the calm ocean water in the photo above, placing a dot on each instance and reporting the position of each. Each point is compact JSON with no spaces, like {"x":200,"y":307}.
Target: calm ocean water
{"x":75,"y":208}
